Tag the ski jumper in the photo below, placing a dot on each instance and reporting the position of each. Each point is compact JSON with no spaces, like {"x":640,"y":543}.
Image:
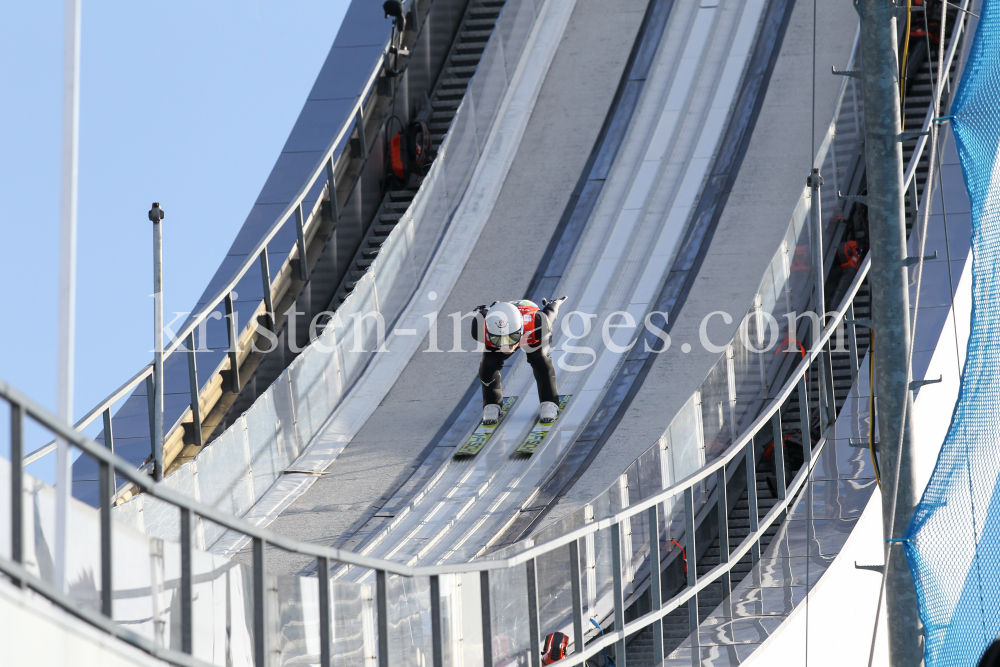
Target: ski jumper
{"x":535,"y":341}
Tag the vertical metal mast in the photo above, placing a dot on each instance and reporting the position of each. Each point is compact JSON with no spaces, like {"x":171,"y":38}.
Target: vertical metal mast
{"x":890,"y":310}
{"x":67,"y":278}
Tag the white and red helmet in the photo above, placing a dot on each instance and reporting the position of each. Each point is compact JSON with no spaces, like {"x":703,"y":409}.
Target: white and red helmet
{"x":504,"y":325}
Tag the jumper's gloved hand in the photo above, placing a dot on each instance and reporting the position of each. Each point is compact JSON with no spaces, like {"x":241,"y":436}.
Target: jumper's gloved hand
{"x":552,"y":305}
{"x":477,"y":322}
{"x":545,"y":320}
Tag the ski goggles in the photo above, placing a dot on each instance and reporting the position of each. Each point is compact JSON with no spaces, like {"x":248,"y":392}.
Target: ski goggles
{"x":505,"y":340}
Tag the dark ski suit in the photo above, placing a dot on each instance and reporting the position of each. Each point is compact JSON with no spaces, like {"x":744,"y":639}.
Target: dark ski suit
{"x":536,"y":347}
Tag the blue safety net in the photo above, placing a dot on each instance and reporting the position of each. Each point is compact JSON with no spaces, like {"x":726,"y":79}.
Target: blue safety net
{"x":953,"y":542}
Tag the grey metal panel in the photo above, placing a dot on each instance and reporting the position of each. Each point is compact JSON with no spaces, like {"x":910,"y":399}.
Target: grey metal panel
{"x":367,"y":25}
{"x":318,"y":123}
{"x":289,"y":174}
{"x":258,"y":221}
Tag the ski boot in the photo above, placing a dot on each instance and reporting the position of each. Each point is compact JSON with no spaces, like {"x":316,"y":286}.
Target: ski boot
{"x":491,"y":414}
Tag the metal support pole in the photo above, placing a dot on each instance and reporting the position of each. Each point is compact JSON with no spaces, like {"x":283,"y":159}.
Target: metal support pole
{"x":804,"y":420}
{"x":156,"y":216}
{"x":67,"y":279}
{"x":382,"y":608}
{"x":619,"y":602}
{"x":722,"y":505}
{"x":691,"y":564}
{"x":300,"y":232}
{"x":535,"y":652}
{"x":437,"y":646}
{"x":331,"y":183}
{"x":752,"y":507}
{"x":104,"y":495}
{"x":577,"y":596}
{"x":193,"y":382}
{"x":234,"y":363}
{"x":265,"y":276}
{"x":187,"y":590}
{"x":259,"y":601}
{"x":325,"y":640}
{"x":655,"y":586}
{"x":17,"y":485}
{"x":486,"y":617}
{"x":887,"y":229}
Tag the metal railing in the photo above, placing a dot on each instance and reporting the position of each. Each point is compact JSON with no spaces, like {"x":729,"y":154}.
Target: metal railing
{"x":108,"y":462}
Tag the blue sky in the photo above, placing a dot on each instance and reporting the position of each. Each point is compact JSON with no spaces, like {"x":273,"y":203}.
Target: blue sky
{"x":185,"y":103}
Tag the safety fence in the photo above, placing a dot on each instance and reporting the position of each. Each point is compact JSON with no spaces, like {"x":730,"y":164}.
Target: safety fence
{"x":952,"y":543}
{"x":238,"y":467}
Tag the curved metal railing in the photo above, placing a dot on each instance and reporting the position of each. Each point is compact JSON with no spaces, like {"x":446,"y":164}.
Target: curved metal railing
{"x":109,"y":463}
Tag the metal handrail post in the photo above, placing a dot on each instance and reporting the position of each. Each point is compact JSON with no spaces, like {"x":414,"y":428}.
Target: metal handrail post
{"x":437,"y":646}
{"x":359,"y":121}
{"x":753,"y":509}
{"x":486,"y":617}
{"x":300,"y":235}
{"x":778,"y":452}
{"x":655,"y":586}
{"x":265,"y":276}
{"x":325,"y":639}
{"x":804,"y":420}
{"x":722,"y":507}
{"x":577,"y":596}
{"x":331,"y":181}
{"x":382,"y":609}
{"x":17,"y":486}
{"x":691,"y":563}
{"x":195,"y":388}
{"x":186,"y":592}
{"x":619,"y":601}
{"x":259,"y":604}
{"x":109,"y":443}
{"x":105,"y":494}
{"x":234,"y":363}
{"x":534,"y":659}
{"x":852,"y":342}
